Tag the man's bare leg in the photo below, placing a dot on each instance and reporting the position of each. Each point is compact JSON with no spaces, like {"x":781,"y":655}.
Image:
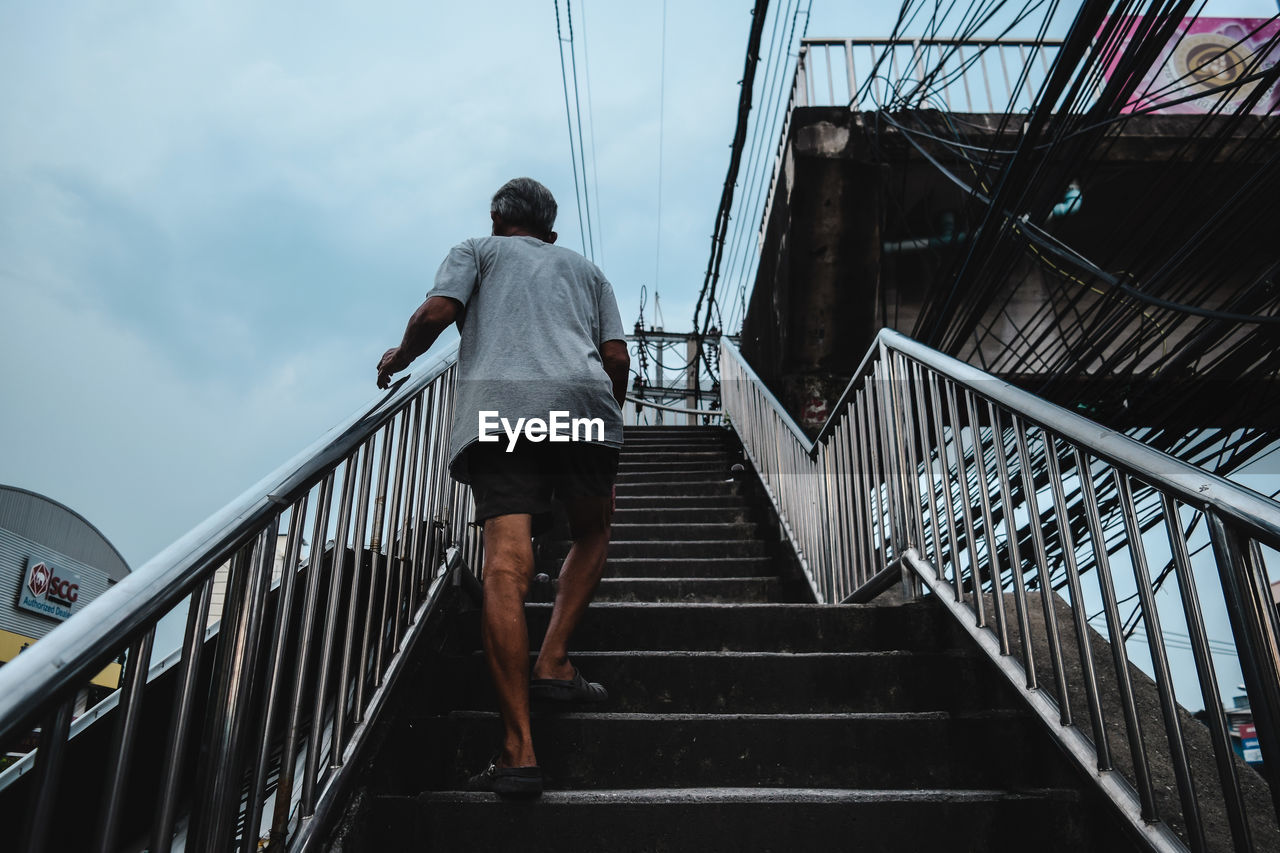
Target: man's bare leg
{"x":508,"y":570}
{"x":589,"y":521}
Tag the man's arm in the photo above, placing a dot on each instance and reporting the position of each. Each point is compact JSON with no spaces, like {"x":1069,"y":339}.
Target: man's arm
{"x":618,"y":365}
{"x":432,"y":317}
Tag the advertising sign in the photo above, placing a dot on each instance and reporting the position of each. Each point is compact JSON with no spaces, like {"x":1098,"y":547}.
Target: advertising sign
{"x":1249,"y":743}
{"x":49,"y":589}
{"x":1202,"y":55}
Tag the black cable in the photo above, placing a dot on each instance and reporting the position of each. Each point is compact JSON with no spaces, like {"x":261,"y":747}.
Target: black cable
{"x":568,"y":115}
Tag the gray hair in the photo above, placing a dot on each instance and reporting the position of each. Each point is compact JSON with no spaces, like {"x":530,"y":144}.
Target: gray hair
{"x":526,"y":203}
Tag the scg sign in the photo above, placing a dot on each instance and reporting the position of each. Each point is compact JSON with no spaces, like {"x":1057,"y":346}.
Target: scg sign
{"x":49,"y":590}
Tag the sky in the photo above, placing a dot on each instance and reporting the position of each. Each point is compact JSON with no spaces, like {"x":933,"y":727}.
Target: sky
{"x":215,"y":216}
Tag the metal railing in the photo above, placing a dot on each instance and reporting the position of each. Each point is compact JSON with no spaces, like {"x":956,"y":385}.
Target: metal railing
{"x":266,"y":745}
{"x":1021,"y":519}
{"x":963,"y":76}
{"x":994,"y":76}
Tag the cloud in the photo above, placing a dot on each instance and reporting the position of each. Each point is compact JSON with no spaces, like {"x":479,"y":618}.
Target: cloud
{"x":102,"y":421}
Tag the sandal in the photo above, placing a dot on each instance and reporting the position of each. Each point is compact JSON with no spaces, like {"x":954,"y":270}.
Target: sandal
{"x":508,"y":781}
{"x":576,"y":689}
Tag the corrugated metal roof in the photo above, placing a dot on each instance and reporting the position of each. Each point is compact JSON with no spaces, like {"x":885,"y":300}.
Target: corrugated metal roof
{"x":49,"y":523}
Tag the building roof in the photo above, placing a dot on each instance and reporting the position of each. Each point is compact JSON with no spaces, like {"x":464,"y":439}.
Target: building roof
{"x":57,"y":526}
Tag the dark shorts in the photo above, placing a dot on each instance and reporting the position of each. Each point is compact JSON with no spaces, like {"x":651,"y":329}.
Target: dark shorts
{"x":533,"y":474}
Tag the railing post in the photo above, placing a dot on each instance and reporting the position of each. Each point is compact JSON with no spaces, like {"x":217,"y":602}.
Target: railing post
{"x":895,"y":442}
{"x":1257,"y":635}
{"x":801,"y":88}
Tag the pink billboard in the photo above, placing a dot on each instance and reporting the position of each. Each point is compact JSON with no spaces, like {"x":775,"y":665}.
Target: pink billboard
{"x":1204,"y":54}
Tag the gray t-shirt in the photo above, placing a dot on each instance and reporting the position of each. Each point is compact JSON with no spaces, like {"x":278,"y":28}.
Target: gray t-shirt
{"x":534,"y":316}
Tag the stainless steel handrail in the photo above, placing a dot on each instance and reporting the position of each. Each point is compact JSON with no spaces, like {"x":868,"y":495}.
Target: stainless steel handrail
{"x":360,"y":555}
{"x":991,"y":499}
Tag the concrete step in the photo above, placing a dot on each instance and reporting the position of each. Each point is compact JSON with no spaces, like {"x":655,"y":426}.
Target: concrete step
{"x":675,"y":455}
{"x":589,"y":750}
{"x":673,"y":480}
{"x":681,"y":433}
{"x":617,"y":626}
{"x":700,"y":442}
{"x":689,"y":496}
{"x":757,"y":819}
{"x":723,"y":590}
{"x":682,"y":531}
{"x":739,"y":627}
{"x":624,"y":548}
{"x":688,"y":589}
{"x":747,"y":682}
{"x":668,"y":515}
{"x":634,"y":450}
{"x":663,"y":466}
{"x":690,"y":567}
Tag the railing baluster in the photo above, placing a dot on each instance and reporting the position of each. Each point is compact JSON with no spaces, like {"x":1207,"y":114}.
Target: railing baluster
{"x":853,"y":81}
{"x":1041,"y":560}
{"x":933,"y":478}
{"x":964,"y":78}
{"x":375,"y":542}
{"x":966,"y":517}
{"x":1115,"y":630}
{"x":1018,"y":584}
{"x":1224,"y":755}
{"x":293,"y":726}
{"x":180,"y":722}
{"x":233,"y":697}
{"x":337,"y":573}
{"x":1160,"y":665}
{"x":273,"y":681}
{"x":417,"y":559}
{"x":908,"y":423}
{"x":350,"y":635}
{"x":389,"y":620}
{"x":48,"y":774}
{"x":857,"y":495}
{"x":1008,"y":85}
{"x":944,"y":488}
{"x":126,"y":736}
{"x":1253,"y":622}
{"x":988,"y":527}
{"x":403,"y":549}
{"x":831,"y":86}
{"x":986,"y":79}
{"x":1101,"y":744}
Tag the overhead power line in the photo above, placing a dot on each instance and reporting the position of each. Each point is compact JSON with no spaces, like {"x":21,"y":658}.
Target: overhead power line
{"x":577,"y":147}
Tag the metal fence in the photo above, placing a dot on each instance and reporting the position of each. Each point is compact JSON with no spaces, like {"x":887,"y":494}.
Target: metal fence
{"x":1022,"y":519}
{"x":969,"y":76}
{"x":266,"y":743}
{"x":958,"y":76}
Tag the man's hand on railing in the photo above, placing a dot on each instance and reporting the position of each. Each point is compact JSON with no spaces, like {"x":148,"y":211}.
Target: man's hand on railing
{"x":393,"y":360}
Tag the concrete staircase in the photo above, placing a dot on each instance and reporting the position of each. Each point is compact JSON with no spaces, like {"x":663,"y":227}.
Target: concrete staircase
{"x":740,"y":717}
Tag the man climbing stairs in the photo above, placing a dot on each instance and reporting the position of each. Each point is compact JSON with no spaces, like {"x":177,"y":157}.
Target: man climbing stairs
{"x":740,"y":717}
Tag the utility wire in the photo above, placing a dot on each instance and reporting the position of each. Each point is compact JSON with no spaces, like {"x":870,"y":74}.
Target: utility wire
{"x":662,"y":102}
{"x":573,"y":58}
{"x":591,"y":128}
{"x":568,"y":115}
